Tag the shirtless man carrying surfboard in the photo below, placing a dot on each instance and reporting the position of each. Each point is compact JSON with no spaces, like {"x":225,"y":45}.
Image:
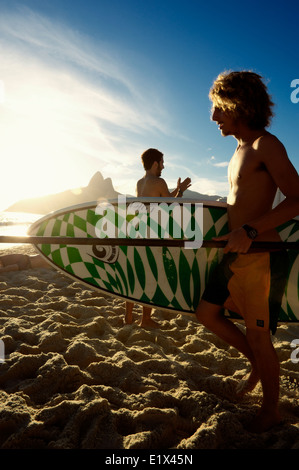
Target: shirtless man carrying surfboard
{"x":243,"y":281}
{"x":152,"y":185}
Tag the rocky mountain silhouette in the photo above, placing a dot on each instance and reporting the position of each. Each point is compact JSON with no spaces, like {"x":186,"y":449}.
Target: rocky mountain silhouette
{"x":97,"y":188}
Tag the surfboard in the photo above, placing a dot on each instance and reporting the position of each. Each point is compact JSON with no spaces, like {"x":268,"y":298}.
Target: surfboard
{"x":128,"y":249}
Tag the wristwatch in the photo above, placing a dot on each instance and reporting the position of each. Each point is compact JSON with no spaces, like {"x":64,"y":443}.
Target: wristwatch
{"x":251,"y":232}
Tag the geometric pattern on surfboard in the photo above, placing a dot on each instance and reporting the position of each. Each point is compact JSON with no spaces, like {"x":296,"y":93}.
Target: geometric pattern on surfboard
{"x":172,"y":278}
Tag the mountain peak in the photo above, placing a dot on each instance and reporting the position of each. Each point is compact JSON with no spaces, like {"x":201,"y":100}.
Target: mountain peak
{"x":96,"y":180}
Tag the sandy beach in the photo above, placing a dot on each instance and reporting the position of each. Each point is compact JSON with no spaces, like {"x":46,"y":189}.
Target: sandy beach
{"x":76,"y":377}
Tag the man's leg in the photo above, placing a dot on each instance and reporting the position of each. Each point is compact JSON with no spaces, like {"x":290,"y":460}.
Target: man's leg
{"x":268,"y":368}
{"x":211,"y":316}
{"x":129,"y":313}
{"x":147,"y":321}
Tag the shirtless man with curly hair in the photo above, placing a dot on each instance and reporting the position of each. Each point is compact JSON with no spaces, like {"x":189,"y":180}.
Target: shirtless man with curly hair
{"x":251,"y":284}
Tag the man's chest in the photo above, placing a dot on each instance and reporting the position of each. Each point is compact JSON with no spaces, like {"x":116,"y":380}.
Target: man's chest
{"x":244,"y":166}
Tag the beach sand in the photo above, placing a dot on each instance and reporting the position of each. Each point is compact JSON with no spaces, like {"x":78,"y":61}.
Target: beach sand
{"x":76,"y":377}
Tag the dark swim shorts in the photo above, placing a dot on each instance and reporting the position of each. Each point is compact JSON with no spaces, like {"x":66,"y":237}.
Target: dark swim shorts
{"x":251,"y":285}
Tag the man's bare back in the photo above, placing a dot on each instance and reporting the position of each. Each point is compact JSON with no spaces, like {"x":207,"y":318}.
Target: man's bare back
{"x":152,"y":185}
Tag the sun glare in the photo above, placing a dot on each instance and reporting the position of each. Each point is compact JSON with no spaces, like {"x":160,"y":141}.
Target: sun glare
{"x":33,"y":148}
{"x":45,"y":142}
{"x":68,"y":110}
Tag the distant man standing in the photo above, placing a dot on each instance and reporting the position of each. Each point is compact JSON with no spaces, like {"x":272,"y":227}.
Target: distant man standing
{"x":251,"y":284}
{"x":152,"y":185}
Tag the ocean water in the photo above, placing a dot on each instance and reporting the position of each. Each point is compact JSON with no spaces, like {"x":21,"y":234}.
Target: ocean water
{"x":15,"y":224}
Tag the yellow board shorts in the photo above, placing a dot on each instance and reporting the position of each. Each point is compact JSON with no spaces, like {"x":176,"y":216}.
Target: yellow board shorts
{"x":251,"y":285}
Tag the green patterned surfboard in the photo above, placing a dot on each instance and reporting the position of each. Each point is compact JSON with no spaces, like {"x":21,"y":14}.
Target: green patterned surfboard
{"x":167,"y":277}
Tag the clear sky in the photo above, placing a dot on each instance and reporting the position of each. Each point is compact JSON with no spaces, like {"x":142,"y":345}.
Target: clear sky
{"x":88,"y":85}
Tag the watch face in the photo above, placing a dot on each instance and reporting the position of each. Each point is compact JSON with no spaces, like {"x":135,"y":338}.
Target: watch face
{"x":251,"y":232}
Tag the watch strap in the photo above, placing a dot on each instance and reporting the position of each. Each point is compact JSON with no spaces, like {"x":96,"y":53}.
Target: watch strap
{"x":251,"y":231}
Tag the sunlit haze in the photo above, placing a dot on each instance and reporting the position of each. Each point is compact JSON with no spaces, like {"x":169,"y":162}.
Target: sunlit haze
{"x":89,"y":89}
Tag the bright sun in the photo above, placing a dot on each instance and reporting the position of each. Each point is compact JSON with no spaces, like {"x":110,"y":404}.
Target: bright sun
{"x":40,"y":143}
{"x":35,"y":158}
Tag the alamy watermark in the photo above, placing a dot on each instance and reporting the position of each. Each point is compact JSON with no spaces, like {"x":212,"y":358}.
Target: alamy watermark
{"x":295,"y":92}
{"x":295,"y":353}
{"x":2,"y":351}
{"x":151,"y":221}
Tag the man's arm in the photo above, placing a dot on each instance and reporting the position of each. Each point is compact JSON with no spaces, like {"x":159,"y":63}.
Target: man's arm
{"x":164,"y":191}
{"x":285,"y":176}
{"x":286,"y":179}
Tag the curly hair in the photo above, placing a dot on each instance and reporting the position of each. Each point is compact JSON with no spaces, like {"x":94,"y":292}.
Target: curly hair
{"x":149,"y":157}
{"x":244,"y":95}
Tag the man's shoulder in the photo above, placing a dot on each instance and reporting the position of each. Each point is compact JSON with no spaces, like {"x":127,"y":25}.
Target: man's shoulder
{"x":161,"y":180}
{"x":268,"y":139}
{"x":154,"y":180}
{"x":268,"y":145}
{"x":154,"y":186}
{"x":157,"y":181}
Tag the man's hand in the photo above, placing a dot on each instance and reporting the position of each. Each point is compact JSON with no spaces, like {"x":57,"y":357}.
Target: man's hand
{"x":237,"y":241}
{"x":184,"y":185}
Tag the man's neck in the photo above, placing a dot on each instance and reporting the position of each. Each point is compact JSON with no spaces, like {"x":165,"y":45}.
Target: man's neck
{"x":246,"y":136}
{"x":150,"y":174}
